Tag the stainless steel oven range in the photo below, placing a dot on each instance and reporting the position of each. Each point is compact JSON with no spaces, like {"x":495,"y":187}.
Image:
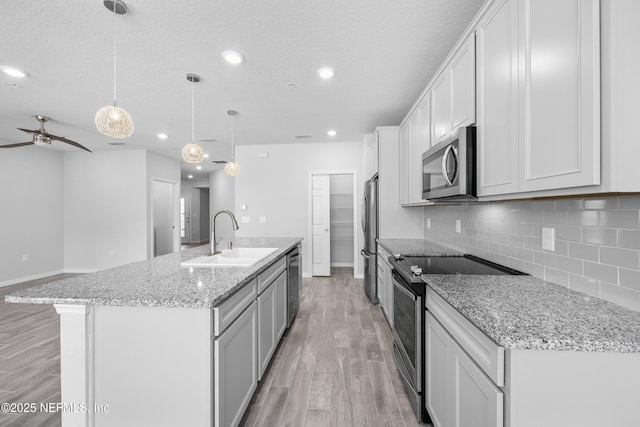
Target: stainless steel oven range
{"x":409,"y":314}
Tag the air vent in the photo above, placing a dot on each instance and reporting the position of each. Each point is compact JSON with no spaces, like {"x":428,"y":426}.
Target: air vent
{"x":304,"y":136}
{"x":116,"y":143}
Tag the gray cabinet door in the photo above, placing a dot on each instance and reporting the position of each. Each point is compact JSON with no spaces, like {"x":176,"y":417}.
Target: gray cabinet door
{"x":280,"y":314}
{"x":235,"y":376}
{"x":266,"y":328}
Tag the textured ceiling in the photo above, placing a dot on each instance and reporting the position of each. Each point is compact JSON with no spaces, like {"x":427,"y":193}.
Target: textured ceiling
{"x":384,"y":53}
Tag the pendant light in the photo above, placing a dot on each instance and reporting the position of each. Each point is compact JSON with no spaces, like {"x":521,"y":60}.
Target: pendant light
{"x":232,"y":168}
{"x":113,"y":120}
{"x":193,"y":153}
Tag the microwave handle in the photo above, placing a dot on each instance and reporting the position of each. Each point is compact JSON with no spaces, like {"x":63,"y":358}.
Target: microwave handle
{"x":449,"y":151}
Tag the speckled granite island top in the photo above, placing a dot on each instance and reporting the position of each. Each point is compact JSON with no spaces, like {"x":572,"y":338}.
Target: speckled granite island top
{"x":416,"y":247}
{"x":160,"y":282}
{"x":524,"y":312}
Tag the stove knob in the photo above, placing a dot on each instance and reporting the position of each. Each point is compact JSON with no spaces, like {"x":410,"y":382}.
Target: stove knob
{"x":417,"y":271}
{"x":398,"y":257}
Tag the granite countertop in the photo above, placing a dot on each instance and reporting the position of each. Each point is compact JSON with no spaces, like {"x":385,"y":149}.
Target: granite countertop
{"x":524,"y":312}
{"x":416,"y":247}
{"x":159,"y":282}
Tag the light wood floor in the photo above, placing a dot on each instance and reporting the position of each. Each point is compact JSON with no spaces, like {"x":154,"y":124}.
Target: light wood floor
{"x":29,"y":357}
{"x":334,"y":367}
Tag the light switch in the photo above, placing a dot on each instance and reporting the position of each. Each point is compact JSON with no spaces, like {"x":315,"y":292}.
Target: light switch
{"x":245,"y":219}
{"x":549,"y":238}
{"x":263,"y":220}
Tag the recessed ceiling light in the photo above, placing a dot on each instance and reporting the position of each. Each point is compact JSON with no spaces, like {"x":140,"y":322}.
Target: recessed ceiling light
{"x":190,"y":177}
{"x":163,"y":136}
{"x":14,"y":72}
{"x":233,"y":57}
{"x":199,"y":167}
{"x":326,"y":72}
{"x":331,"y":132}
{"x":206,"y":156}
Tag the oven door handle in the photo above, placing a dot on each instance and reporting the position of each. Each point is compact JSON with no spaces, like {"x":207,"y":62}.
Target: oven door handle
{"x":404,"y":291}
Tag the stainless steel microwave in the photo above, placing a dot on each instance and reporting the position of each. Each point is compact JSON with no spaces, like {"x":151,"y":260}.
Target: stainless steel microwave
{"x":449,"y":167}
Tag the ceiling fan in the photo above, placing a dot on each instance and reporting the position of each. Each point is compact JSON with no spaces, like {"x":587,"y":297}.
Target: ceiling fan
{"x":42,"y":137}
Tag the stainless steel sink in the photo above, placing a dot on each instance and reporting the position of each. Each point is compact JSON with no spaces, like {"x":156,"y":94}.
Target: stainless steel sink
{"x":237,"y":257}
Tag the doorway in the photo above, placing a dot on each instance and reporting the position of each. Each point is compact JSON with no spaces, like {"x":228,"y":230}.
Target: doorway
{"x":332,"y":228}
{"x":185,"y":219}
{"x":164,"y":210}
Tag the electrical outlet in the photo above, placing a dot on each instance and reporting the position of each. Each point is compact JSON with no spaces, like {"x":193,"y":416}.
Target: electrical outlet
{"x":263,"y":220}
{"x":243,"y":207}
{"x":428,"y":223}
{"x":245,"y":219}
{"x":458,"y":226}
{"x":25,"y":257}
{"x":549,"y":239}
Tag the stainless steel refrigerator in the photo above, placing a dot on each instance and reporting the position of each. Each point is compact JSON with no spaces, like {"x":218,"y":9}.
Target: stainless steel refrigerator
{"x":369,"y":212}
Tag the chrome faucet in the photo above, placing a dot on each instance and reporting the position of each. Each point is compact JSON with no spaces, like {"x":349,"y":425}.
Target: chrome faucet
{"x":234,"y":223}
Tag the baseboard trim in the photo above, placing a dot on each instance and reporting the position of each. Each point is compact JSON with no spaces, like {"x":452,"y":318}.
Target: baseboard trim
{"x":342,"y":264}
{"x":31,"y":277}
{"x":359,"y":276}
{"x":82,"y":270}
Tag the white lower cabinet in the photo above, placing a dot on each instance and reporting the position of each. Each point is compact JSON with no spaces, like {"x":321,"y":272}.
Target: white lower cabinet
{"x":280,"y":302}
{"x":459,"y":394}
{"x":385,"y":284}
{"x":235,"y":374}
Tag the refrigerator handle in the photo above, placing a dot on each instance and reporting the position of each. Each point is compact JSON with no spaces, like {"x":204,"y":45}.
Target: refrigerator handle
{"x":364,"y":254}
{"x":363,"y":213}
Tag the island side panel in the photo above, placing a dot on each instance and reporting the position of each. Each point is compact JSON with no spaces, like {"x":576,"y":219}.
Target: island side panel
{"x":153,"y":366}
{"x":76,"y":364}
{"x":572,"y":388}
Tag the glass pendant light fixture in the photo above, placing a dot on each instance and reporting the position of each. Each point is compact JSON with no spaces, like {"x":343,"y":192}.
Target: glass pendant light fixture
{"x":232,"y":168}
{"x":112,"y":120}
{"x":193,"y":153}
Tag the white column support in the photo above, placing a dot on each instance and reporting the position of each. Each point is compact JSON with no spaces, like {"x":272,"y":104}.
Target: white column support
{"x":76,"y":364}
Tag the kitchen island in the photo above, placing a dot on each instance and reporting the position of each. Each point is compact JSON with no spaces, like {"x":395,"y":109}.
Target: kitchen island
{"x":153,"y":342}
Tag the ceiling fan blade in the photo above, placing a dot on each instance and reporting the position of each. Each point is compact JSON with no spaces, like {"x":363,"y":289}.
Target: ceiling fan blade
{"x":20,"y":144}
{"x":68,"y":141}
{"x":220,"y":161}
{"x":31,"y":131}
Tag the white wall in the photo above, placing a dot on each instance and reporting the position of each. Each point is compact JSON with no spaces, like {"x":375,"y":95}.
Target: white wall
{"x":222,"y":190}
{"x":31,"y":213}
{"x":278,"y":187}
{"x":198,"y":190}
{"x":105,"y":209}
{"x":166,"y":169}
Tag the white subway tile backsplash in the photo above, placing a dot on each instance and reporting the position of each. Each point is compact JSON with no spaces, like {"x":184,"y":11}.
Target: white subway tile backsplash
{"x":588,"y":252}
{"x":597,"y":244}
{"x":584,"y":284}
{"x":558,"y":277}
{"x":555,"y":217}
{"x":629,"y":239}
{"x":620,"y":219}
{"x":620,"y":257}
{"x":571,"y":265}
{"x":570,"y":233}
{"x":600,"y":236}
{"x":630,"y":279}
{"x":606,"y":273}
{"x":619,"y":295}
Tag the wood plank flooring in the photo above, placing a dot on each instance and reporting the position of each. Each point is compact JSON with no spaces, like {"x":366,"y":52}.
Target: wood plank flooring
{"x":334,"y":367}
{"x":29,"y":357}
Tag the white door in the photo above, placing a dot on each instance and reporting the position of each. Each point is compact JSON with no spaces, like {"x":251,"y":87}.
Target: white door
{"x":185,"y":218}
{"x":320,"y":220}
{"x":163,"y":205}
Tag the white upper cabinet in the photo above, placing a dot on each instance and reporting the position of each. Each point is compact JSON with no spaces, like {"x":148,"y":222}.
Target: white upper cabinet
{"x":497,"y":92}
{"x":415,"y":138}
{"x":463,"y":85}
{"x":370,"y":155}
{"x":403,"y":165}
{"x":415,"y":158}
{"x":538,"y":96}
{"x":560,"y":94}
{"x":441,"y":107}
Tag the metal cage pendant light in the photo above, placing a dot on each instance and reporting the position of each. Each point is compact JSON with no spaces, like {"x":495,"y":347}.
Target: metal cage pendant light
{"x":112,"y":120}
{"x":193,"y":153}
{"x":232,"y":168}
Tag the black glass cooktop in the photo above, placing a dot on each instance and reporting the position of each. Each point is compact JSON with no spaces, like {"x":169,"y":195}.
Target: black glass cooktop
{"x":458,"y":265}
